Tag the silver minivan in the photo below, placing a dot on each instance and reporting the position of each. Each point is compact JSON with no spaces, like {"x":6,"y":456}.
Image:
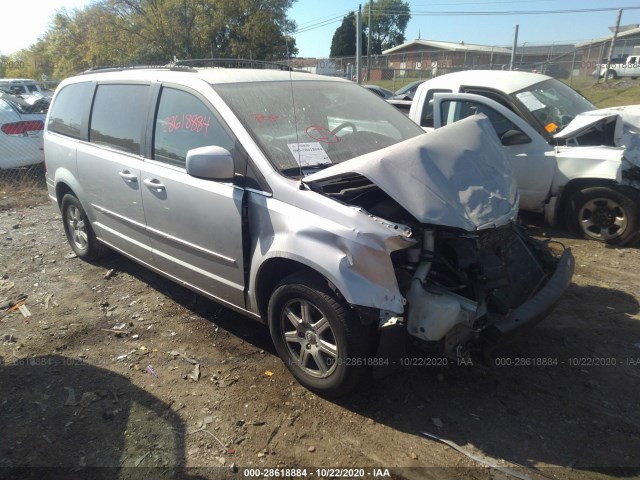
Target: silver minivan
{"x":304,"y":202}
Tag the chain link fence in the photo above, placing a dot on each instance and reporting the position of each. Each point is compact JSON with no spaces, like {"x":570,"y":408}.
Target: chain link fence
{"x":578,"y":64}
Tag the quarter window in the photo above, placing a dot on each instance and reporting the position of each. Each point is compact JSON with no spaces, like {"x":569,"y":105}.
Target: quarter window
{"x":65,"y":115}
{"x":184,"y":122}
{"x":119,"y":116}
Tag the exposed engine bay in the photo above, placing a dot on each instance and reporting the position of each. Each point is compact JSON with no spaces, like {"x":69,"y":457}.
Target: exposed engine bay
{"x":456,"y":283}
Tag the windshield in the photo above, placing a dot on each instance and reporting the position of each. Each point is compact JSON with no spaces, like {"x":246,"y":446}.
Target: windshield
{"x":553,"y":104}
{"x":332,"y":121}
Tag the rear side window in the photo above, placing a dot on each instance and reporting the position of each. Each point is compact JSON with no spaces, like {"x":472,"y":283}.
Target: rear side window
{"x":65,"y":115}
{"x":183,"y":122}
{"x":119,"y":116}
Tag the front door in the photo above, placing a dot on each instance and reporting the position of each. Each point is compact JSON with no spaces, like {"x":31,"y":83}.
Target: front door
{"x":532,"y":158}
{"x":195,"y":225}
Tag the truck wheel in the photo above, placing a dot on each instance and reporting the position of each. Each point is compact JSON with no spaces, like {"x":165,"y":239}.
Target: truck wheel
{"x":611,"y":75}
{"x":320,"y":340}
{"x":79,"y":231}
{"x":605,"y":214}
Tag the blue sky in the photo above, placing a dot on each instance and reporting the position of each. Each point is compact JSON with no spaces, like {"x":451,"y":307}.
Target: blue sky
{"x":488,"y":30}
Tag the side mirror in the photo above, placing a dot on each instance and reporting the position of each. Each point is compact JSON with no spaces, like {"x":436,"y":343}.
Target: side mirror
{"x":514,"y":137}
{"x":211,"y":163}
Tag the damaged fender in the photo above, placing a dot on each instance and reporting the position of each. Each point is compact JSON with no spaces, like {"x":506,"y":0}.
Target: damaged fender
{"x":353,"y":254}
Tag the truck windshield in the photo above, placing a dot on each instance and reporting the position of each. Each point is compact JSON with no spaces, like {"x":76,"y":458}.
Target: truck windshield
{"x":553,"y":104}
{"x":331,"y":122}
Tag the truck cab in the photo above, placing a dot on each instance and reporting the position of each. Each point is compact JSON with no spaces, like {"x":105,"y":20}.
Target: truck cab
{"x":578,"y":165}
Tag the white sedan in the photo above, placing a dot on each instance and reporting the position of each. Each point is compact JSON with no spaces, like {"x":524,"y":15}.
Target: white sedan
{"x":20,"y":134}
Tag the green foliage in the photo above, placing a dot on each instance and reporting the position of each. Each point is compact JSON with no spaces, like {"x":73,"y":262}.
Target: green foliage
{"x":119,"y":32}
{"x":389,"y":19}
{"x":343,"y":43}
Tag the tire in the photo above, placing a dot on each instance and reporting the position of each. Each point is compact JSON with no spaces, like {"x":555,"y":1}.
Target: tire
{"x":306,"y":316}
{"x":610,"y":75}
{"x":605,"y":214}
{"x":78,"y":230}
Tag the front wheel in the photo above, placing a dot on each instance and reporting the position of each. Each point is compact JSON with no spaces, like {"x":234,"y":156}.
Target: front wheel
{"x":320,"y":340}
{"x":611,"y":75}
{"x":605,"y":214}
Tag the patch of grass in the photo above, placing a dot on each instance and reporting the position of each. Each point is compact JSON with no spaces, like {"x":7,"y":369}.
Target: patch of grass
{"x":22,"y":187}
{"x":612,"y":94}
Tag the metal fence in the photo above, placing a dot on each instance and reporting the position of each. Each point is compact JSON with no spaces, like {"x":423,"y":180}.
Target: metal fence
{"x":22,"y":187}
{"x":570,"y":63}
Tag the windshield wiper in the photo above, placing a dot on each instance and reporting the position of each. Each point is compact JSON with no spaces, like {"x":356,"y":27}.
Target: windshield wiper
{"x":306,"y":170}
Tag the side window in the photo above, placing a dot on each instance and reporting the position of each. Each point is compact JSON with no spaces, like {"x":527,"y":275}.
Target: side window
{"x":65,"y":115}
{"x":183,"y":122}
{"x":426,"y":118}
{"x":119,"y":115}
{"x":454,"y":110}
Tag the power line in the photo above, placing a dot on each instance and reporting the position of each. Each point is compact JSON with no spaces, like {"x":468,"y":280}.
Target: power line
{"x":323,"y":23}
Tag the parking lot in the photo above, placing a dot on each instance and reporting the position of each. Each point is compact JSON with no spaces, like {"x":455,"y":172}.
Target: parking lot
{"x":118,"y":367}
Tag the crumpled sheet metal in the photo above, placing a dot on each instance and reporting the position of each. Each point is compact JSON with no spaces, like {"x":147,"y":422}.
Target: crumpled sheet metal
{"x":457,"y":176}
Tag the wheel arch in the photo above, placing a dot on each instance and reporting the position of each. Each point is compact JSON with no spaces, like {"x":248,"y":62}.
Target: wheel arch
{"x":273,"y":271}
{"x":574,"y":186}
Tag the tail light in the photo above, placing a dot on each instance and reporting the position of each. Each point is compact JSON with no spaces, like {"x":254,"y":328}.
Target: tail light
{"x":22,"y":128}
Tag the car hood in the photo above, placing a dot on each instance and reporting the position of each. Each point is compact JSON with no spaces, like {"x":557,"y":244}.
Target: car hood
{"x":456,"y":176}
{"x":626,"y":132}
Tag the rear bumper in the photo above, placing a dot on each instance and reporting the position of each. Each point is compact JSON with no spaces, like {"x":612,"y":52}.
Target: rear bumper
{"x":539,"y":306}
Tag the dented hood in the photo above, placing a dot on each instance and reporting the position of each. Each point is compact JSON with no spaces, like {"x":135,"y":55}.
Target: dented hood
{"x":626,"y":132}
{"x":456,"y":176}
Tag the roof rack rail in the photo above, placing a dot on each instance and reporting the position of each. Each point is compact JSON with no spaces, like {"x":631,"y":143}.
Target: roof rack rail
{"x":120,"y":68}
{"x":190,"y":65}
{"x":232,"y":63}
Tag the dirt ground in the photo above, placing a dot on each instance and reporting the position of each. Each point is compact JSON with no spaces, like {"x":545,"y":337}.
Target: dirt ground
{"x":117,"y":367}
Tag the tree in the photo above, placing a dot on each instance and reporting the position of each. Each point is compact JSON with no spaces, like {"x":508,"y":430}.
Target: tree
{"x":343,"y":43}
{"x":389,"y":19}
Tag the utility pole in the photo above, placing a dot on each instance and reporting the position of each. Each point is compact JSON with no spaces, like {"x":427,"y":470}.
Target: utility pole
{"x":513,"y":49}
{"x":613,"y":42}
{"x":359,"y":45}
{"x":369,"y":44}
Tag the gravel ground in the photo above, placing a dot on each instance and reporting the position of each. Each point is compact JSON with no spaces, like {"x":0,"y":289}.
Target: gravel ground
{"x":117,"y":367}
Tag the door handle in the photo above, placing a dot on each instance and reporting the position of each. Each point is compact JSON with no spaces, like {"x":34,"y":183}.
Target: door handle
{"x":128,"y":176}
{"x":154,"y":184}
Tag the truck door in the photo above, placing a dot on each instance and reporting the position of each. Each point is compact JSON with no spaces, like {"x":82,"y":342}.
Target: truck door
{"x":532,"y":158}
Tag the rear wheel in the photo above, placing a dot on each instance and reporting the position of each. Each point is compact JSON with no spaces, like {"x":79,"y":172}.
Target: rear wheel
{"x":79,"y":231}
{"x":605,"y":214}
{"x":320,"y":340}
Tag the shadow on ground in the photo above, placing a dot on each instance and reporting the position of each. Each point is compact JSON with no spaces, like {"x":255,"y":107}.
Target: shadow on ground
{"x":62,"y":418}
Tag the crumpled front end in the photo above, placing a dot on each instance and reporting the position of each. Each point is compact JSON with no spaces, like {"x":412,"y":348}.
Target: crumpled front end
{"x":471,"y":269}
{"x":467,"y":290}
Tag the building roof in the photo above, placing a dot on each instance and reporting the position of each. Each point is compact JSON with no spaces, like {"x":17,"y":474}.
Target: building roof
{"x":452,"y":46}
{"x":628,"y":33}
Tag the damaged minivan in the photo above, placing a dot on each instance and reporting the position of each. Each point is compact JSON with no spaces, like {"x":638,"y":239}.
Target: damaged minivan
{"x":306,"y":203}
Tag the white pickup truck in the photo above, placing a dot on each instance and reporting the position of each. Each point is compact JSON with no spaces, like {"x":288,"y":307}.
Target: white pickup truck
{"x":623,"y":67}
{"x":576,"y":164}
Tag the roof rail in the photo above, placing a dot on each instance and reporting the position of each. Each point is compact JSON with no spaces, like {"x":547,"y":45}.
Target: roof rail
{"x":232,"y":63}
{"x":190,"y":65}
{"x":120,"y":68}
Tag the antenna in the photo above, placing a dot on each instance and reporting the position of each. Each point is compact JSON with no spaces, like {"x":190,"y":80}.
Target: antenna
{"x":295,"y":117}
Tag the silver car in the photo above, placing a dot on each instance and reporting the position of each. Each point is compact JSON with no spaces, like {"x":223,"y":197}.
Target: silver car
{"x":306,"y":203}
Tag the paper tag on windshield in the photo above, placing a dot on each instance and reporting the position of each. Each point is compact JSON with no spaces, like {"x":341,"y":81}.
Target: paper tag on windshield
{"x":530,"y":101}
{"x":309,"y":154}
